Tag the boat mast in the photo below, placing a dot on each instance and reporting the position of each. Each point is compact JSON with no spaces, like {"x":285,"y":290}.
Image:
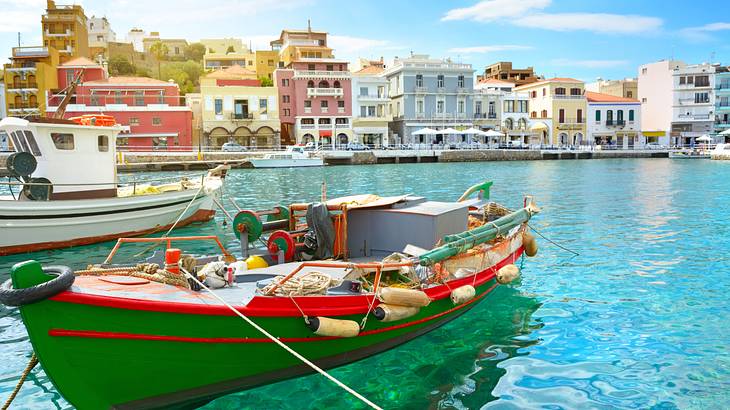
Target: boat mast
{"x":70,"y":91}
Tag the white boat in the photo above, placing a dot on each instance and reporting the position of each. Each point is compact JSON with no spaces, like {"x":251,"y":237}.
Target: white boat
{"x":294,"y":156}
{"x":67,"y":192}
{"x":690,"y":154}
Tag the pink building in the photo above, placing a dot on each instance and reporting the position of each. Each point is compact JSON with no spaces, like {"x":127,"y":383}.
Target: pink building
{"x":315,"y":100}
{"x":156,"y":115}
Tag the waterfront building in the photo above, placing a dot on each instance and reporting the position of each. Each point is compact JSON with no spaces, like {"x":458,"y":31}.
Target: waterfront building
{"x":136,"y":36}
{"x":626,"y":88}
{"x":236,"y":108}
{"x":693,"y":103}
{"x":64,"y":28}
{"x":267,"y":62}
{"x":614,"y":121}
{"x":295,"y":45}
{"x":428,"y":92}
{"x":175,"y":46}
{"x":243,"y":58}
{"x":100,"y":34}
{"x":656,"y":93}
{"x":507,"y":108}
{"x":370,"y":105}
{"x":152,"y":109}
{"x":722,"y":102}
{"x":504,"y":71}
{"x":487,"y":100}
{"x":315,"y":96}
{"x":557,"y":110}
{"x":28,"y":78}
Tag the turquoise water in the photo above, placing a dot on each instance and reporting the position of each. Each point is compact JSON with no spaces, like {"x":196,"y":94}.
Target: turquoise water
{"x":639,"y":320}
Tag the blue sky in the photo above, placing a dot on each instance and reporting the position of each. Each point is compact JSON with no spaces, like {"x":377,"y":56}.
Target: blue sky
{"x":569,"y":38}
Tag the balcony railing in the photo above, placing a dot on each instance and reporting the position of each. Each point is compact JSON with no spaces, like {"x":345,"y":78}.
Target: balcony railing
{"x":619,"y":123}
{"x":346,"y":125}
{"x":307,"y":126}
{"x":723,"y":86}
{"x":325,"y":92}
{"x":570,"y":121}
{"x":322,"y":74}
{"x":66,"y":33}
{"x":30,"y":52}
{"x":421,"y":89}
{"x":568,"y":97}
{"x":490,"y":115}
{"x":723,"y":104}
{"x":26,"y":106}
{"x":463,"y":90}
{"x":21,"y":85}
{"x":695,"y":116}
{"x":241,"y":117}
{"x":325,"y":126}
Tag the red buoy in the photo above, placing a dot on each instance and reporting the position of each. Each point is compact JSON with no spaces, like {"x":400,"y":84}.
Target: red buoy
{"x":172,"y":257}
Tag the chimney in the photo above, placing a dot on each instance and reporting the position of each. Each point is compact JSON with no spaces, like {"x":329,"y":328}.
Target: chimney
{"x":309,"y":25}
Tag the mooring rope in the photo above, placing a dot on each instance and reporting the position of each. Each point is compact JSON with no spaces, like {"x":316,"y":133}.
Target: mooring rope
{"x":553,"y":242}
{"x":31,"y":364}
{"x":283,"y":345}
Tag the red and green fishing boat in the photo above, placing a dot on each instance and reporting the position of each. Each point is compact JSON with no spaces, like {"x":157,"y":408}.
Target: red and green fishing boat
{"x":339,"y":281}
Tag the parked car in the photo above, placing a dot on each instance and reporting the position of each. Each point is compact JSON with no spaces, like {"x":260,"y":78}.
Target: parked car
{"x":356,"y":146}
{"x":233,"y":147}
{"x":654,"y":145}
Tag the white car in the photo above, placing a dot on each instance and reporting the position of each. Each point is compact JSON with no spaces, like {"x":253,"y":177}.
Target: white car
{"x":232,"y":147}
{"x":654,"y":145}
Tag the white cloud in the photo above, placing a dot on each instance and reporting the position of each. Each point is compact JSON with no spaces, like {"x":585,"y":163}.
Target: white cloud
{"x":703,"y":33}
{"x":564,"y":62}
{"x":490,"y":10}
{"x":488,"y":49}
{"x":355,"y":45}
{"x":596,"y":22}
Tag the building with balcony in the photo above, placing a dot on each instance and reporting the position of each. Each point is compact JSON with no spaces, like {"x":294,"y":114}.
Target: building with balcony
{"x":506,"y":111}
{"x":613,"y":121}
{"x":175,"y":46}
{"x":29,"y":77}
{"x":267,"y":61}
{"x":557,"y":110}
{"x":370,"y":105}
{"x":504,"y":71}
{"x":626,"y":88}
{"x":227,"y":52}
{"x":236,"y":108}
{"x":656,"y":91}
{"x":428,"y":92}
{"x":296,"y":45}
{"x":100,"y":34}
{"x":722,"y":101}
{"x":693,"y":102}
{"x":315,"y":96}
{"x":64,"y":28}
{"x":488,"y":103}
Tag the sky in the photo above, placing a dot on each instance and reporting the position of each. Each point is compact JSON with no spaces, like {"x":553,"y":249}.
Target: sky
{"x":583,"y":39}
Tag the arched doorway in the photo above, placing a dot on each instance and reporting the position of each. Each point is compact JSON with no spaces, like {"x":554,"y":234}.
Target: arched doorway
{"x":578,"y":138}
{"x":342,"y":139}
{"x":563,"y":138}
{"x":307,"y":138}
{"x":265,"y":137}
{"x":218,"y":136}
{"x":243,"y":136}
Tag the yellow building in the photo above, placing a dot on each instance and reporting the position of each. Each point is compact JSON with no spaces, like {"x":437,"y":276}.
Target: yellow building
{"x":29,"y":76}
{"x":294,"y":45}
{"x":64,"y":28}
{"x":236,"y":108}
{"x":243,"y":58}
{"x":266,"y":63}
{"x":557,"y":110}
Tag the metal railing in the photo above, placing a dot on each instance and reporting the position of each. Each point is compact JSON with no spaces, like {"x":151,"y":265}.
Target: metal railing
{"x":244,"y":116}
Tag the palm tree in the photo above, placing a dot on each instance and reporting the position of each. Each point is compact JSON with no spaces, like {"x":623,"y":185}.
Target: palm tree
{"x":159,"y":50}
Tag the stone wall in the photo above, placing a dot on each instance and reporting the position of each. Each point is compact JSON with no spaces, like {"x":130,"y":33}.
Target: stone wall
{"x":489,"y":155}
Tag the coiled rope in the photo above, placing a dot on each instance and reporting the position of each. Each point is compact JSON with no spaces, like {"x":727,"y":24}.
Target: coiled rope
{"x":31,"y":364}
{"x":310,"y":283}
{"x":283,"y":345}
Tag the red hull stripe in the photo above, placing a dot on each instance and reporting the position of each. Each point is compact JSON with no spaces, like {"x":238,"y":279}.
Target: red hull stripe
{"x":272,"y":306}
{"x":162,"y":338}
{"x":201,"y":215}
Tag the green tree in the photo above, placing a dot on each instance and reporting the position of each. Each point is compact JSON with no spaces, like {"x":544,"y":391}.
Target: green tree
{"x":185,"y":74}
{"x":159,"y":50}
{"x":266,"y":82}
{"x":120,"y":65}
{"x":194,"y":51}
{"x":143,"y":72}
{"x":230,"y":50}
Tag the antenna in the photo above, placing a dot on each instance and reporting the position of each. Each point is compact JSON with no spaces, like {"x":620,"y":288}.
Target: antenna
{"x":19,"y":39}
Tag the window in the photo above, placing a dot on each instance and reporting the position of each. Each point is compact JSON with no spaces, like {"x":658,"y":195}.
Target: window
{"x":609,"y":116}
{"x":702,"y":98}
{"x":323,"y":84}
{"x":117,"y":97}
{"x":543,"y":114}
{"x":160,"y":98}
{"x":492,"y":108}
{"x":561,"y":116}
{"x":682,"y":80}
{"x":341,"y":121}
{"x":440,"y":81}
{"x":559,"y":91}
{"x":310,"y":84}
{"x":419,"y":106}
{"x":156,"y":121}
{"x":139,"y":98}
{"x":336,"y":84}
{"x":509,"y":106}
{"x":364,"y":91}
{"x":522,"y":106}
{"x":643,"y":100}
{"x":94,"y":99}
{"x":307,"y":103}
{"x":579,"y":116}
{"x":576,"y":91}
{"x":533,"y":94}
{"x":284,"y":82}
{"x":363,"y":111}
{"x":460,"y":81}
{"x":533,"y":114}
{"x":419,"y":80}
{"x":631,"y":115}
{"x":133,"y":121}
{"x":341,"y":104}
{"x":460,"y":107}
{"x":311,"y":67}
{"x":63,"y":141}
{"x":690,"y":79}
{"x":32,"y":143}
{"x":643,"y":71}
{"x":19,"y":142}
{"x":287,"y":112}
{"x":544,"y":91}
{"x":440,"y":107}
{"x":619,"y":115}
{"x":240,"y":109}
{"x":598,"y":115}
{"x":478,"y":107}
{"x":103,"y":143}
{"x":218,"y":106}
{"x":629,"y":94}
{"x":263,"y":106}
{"x":285,"y":99}
{"x":330,"y":67}
{"x":371,"y":111}
{"x":702,"y":81}
{"x":270,"y":63}
{"x":324,"y":104}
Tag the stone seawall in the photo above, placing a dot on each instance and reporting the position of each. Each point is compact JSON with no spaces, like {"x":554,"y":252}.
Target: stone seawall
{"x":489,"y":155}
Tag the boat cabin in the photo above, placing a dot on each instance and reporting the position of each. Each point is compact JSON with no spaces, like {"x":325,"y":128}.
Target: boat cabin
{"x":78,"y":160}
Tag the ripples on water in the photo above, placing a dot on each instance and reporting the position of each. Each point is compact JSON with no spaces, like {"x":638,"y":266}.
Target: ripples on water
{"x":638,"y":320}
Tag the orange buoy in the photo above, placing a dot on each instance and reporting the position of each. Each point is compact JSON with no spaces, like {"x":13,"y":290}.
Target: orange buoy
{"x":172,"y":257}
{"x":98,"y":120}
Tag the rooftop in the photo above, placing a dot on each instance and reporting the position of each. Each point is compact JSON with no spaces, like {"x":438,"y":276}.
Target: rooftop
{"x":80,"y":62}
{"x":231,"y":73}
{"x":600,"y":97}
{"x":130,"y":80}
{"x":371,"y":69}
{"x":553,"y":80}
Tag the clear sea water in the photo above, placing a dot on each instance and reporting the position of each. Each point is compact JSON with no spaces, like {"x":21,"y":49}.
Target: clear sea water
{"x":640,"y":319}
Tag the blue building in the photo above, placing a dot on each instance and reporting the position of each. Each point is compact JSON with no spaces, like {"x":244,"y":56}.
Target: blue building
{"x":431,"y":93}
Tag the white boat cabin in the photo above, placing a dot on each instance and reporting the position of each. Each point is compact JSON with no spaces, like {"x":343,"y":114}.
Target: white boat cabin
{"x":67,"y":154}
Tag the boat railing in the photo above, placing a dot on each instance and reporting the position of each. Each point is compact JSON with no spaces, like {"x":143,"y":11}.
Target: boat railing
{"x":168,"y":240}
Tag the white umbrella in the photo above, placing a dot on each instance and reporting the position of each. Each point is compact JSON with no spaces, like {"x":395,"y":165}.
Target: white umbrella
{"x":450,"y":131}
{"x":492,"y":133}
{"x":472,"y":130}
{"x":726,"y":132}
{"x":704,"y":138}
{"x":425,"y":131}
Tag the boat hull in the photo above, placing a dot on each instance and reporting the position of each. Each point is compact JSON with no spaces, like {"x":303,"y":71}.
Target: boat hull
{"x":40,"y":225}
{"x":287,"y":163}
{"x":103,"y":352}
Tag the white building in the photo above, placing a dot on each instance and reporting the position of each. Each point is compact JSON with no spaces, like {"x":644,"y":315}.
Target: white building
{"x":136,"y":36}
{"x":614,"y":121}
{"x":100,"y":32}
{"x":656,"y":85}
{"x":2,"y":100}
{"x":693,"y":102}
{"x":497,"y":106}
{"x":370,"y":107}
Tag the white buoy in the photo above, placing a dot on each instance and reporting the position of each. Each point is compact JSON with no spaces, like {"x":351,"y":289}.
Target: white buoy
{"x":404,"y":297}
{"x":463,"y":294}
{"x":390,"y":313}
{"x":507,"y":273}
{"x":324,"y":326}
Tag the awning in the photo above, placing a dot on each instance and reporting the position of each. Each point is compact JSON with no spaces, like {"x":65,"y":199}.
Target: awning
{"x":539,"y":126}
{"x":325,"y":133}
{"x":654,"y":133}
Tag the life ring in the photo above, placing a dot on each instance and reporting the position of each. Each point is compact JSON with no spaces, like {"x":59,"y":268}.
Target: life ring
{"x":10,"y":296}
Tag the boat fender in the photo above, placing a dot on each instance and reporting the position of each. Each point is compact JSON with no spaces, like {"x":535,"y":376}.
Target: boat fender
{"x":507,"y":273}
{"x":530,"y":244}
{"x":390,"y":313}
{"x":324,"y":326}
{"x":213,"y":274}
{"x":64,"y":278}
{"x":404,"y":297}
{"x":463,"y":294}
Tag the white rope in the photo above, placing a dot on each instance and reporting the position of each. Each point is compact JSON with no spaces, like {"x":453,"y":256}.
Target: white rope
{"x":284,"y":346}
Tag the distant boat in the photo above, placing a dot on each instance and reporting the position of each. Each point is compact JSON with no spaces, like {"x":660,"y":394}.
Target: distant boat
{"x":67,"y":192}
{"x":294,"y":156}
